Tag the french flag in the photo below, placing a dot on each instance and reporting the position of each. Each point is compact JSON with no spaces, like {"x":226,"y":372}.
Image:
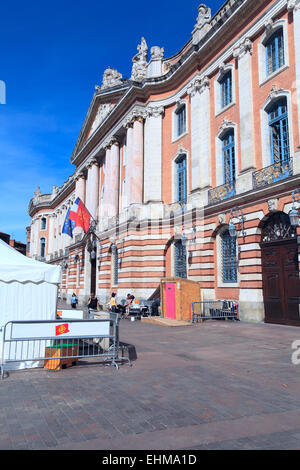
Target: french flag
{"x":80,"y":215}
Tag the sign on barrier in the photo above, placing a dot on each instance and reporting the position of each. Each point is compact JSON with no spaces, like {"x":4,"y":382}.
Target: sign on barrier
{"x":70,"y":314}
{"x":24,"y":331}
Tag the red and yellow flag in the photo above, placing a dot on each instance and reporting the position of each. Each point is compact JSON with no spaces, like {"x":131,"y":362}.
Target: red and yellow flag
{"x":62,"y":329}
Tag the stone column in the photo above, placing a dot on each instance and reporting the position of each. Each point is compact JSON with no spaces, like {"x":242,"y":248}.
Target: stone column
{"x":153,"y":154}
{"x":136,"y":163}
{"x":194,"y":92}
{"x":129,"y":150}
{"x":106,"y":182}
{"x":199,"y":91}
{"x":243,"y":54}
{"x":80,"y":187}
{"x":93,"y":188}
{"x":204,"y":131}
{"x":50,"y":234}
{"x":114,"y":177}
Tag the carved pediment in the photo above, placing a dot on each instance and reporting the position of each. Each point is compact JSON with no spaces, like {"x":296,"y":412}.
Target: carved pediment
{"x":101,"y":114}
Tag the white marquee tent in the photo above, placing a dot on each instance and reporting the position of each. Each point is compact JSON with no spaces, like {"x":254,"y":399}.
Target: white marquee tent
{"x":28,"y":288}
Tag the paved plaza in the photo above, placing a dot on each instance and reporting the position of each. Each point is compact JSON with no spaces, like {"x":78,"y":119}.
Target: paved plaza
{"x":218,"y":385}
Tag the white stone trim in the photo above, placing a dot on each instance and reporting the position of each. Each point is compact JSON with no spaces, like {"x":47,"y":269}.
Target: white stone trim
{"x":270,"y":28}
{"x":265,"y":136}
{"x":223,"y":69}
{"x":226,"y":126}
{"x":179,"y":104}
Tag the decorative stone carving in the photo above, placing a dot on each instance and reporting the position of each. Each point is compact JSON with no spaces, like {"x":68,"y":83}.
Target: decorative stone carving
{"x":135,"y":114}
{"x":139,"y":61}
{"x":269,"y":25}
{"x":55,"y":190}
{"x":274,"y":93}
{"x":272,"y":205}
{"x":111,"y":77}
{"x":204,"y":15}
{"x":157,"y":52}
{"x":222,"y":218}
{"x":198,"y":85}
{"x":293,"y":5}
{"x":102,"y":112}
{"x":245,"y":47}
{"x":37,"y":195}
{"x":91,"y":162}
{"x":154,"y":111}
{"x":224,"y":126}
{"x":203,"y":23}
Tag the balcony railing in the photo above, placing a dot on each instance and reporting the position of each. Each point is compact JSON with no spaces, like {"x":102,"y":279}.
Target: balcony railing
{"x":220,"y":193}
{"x":273,"y":173}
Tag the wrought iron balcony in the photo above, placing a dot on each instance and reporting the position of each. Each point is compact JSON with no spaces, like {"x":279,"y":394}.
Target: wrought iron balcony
{"x":273,"y":173}
{"x":220,"y":193}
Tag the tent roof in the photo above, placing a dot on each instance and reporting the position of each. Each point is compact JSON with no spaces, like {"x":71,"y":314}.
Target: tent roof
{"x":16,"y":267}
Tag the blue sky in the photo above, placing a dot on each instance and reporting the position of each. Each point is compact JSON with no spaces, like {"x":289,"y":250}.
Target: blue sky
{"x":52,"y":54}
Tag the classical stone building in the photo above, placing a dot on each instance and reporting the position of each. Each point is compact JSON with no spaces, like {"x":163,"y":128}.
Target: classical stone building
{"x":172,"y":160}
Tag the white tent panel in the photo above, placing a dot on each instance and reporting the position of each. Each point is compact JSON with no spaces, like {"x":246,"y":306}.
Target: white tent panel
{"x":28,"y":291}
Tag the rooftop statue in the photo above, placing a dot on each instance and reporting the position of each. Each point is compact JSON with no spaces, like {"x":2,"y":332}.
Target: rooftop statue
{"x":139,"y":61}
{"x":204,"y":15}
{"x":111,"y":77}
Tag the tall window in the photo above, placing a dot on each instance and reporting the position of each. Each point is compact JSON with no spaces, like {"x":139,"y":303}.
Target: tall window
{"x":274,"y":51}
{"x":279,"y":132}
{"x":181,"y":178}
{"x":226,"y":89}
{"x":115,"y":267}
{"x":180,"y":260}
{"x":42,"y":247}
{"x":228,"y":150}
{"x":181,"y":120}
{"x":43,"y":223}
{"x":229,"y":261}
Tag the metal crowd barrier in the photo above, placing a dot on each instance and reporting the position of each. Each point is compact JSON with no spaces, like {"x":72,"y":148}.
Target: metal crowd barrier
{"x":215,"y":310}
{"x":26,"y":341}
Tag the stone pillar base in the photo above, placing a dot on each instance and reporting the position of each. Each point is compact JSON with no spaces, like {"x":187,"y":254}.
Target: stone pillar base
{"x":251,"y":311}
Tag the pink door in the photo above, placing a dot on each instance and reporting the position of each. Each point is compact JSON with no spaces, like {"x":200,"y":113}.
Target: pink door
{"x":170,"y":300}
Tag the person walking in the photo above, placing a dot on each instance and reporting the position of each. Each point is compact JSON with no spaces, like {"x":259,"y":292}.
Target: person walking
{"x":129,"y":302}
{"x":112,"y":303}
{"x":74,"y":300}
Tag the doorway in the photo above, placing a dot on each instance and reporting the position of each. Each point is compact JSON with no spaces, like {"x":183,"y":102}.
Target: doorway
{"x":280,"y":271}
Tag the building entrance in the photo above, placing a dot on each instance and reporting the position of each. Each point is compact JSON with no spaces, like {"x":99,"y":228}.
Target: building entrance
{"x":280,"y":271}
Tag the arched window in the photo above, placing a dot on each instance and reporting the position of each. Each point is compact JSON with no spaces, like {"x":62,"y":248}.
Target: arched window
{"x":42,"y":247}
{"x":278,"y":227}
{"x":274,"y":51}
{"x":180,"y":260}
{"x":226,"y":89}
{"x":229,"y":258}
{"x":228,"y":151}
{"x":279,"y":131}
{"x":181,"y":178}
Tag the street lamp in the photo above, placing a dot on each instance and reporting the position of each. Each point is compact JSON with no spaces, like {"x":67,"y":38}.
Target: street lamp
{"x":236,"y":213}
{"x":294,"y":215}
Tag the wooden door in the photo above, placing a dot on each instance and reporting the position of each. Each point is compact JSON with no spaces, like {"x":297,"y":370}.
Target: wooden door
{"x":281,"y":285}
